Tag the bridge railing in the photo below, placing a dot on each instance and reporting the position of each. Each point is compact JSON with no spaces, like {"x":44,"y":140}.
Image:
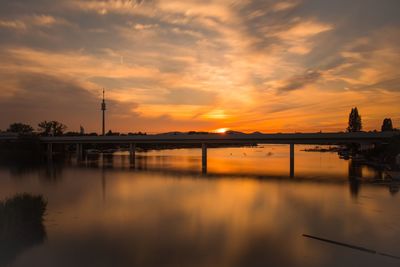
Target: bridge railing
{"x":287,"y":138}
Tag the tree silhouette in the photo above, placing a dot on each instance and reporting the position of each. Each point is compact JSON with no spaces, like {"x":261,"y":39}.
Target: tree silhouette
{"x":387,"y":125}
{"x":20,"y":128}
{"x":53,"y":128}
{"x":81,"y":130}
{"x":355,"y":124}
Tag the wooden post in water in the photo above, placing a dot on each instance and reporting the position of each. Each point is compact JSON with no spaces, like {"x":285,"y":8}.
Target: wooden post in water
{"x":204,"y":157}
{"x":291,"y":160}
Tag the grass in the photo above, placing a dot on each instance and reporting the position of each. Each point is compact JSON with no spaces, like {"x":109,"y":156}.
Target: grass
{"x":22,"y":209}
{"x":21,"y":225}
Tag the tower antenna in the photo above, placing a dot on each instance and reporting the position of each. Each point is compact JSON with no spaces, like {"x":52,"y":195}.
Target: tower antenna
{"x":103,"y":109}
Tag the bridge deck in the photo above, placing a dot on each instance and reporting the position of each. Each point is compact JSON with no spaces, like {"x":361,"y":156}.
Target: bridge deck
{"x":296,"y":138}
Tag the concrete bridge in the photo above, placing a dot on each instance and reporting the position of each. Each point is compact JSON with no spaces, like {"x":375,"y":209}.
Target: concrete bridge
{"x":362,"y":138}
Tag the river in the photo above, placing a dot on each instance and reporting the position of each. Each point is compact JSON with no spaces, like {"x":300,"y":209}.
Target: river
{"x":246,"y":210}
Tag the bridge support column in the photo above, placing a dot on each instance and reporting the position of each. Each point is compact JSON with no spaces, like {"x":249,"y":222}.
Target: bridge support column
{"x":204,"y":158}
{"x":291,"y":160}
{"x":50,"y":151}
{"x":79,"y":151}
{"x":132,"y":153}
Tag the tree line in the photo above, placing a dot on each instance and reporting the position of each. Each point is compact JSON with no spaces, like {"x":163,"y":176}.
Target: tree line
{"x":45,"y":128}
{"x":355,"y":122}
{"x":55,"y":128}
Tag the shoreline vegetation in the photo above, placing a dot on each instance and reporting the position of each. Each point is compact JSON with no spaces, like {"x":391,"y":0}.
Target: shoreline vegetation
{"x":21,"y":225}
{"x":380,"y":154}
{"x":323,"y":149}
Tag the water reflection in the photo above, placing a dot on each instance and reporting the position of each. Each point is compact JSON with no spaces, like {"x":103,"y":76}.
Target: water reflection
{"x":246,"y":211}
{"x":394,"y":188}
{"x":173,"y":164}
{"x":355,"y":174}
{"x":262,"y":162}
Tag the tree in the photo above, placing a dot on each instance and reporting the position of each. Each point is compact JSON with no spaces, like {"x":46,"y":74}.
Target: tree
{"x":355,"y":124}
{"x":45,"y":128}
{"x":53,"y":128}
{"x":111,"y":133}
{"x":387,"y":125}
{"x":20,"y":128}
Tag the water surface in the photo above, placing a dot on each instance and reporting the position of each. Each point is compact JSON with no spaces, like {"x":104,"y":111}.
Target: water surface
{"x":246,"y":211}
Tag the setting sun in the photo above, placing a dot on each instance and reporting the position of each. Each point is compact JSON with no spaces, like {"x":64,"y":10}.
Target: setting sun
{"x":221,"y":130}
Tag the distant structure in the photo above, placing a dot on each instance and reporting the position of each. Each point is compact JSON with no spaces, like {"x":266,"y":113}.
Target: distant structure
{"x":103,"y":109}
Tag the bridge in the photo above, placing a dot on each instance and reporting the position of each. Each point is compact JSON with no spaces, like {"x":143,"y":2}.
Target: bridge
{"x":291,"y":139}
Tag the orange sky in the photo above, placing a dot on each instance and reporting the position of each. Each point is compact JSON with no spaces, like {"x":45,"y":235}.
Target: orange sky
{"x":271,"y":66}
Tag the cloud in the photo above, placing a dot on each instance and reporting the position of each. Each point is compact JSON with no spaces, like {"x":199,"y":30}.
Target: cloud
{"x":205,"y":64}
{"x":47,"y":20}
{"x":284,"y":5}
{"x":192,"y":8}
{"x":189,"y":96}
{"x":46,"y":97}
{"x":13,"y":24}
{"x":40,"y":96}
{"x":298,"y":82}
{"x":304,"y":29}
{"x":368,"y":63}
{"x":297,"y":37}
{"x":140,"y":26}
{"x":29,"y":22}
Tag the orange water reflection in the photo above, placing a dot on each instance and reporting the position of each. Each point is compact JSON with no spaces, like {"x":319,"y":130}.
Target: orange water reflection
{"x":107,"y":213}
{"x":270,"y":160}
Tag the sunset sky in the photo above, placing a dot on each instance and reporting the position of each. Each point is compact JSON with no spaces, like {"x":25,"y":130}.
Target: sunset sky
{"x":270,"y":66}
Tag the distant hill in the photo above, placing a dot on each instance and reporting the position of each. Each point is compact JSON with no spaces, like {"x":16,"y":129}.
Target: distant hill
{"x":233,"y":132}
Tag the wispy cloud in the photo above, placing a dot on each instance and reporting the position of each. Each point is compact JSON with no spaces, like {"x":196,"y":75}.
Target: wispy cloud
{"x":285,"y":5}
{"x":298,"y":82}
{"x":13,"y":24}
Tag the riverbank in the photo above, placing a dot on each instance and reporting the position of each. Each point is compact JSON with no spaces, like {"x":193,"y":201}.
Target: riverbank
{"x":323,"y":149}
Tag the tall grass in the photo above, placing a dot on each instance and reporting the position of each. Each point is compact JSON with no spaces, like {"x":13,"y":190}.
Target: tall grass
{"x":21,"y":225}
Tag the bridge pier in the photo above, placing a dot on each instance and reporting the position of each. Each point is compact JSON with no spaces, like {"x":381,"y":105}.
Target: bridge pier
{"x":132,"y":153}
{"x":204,"y":158}
{"x":79,"y":151}
{"x":292,"y":160}
{"x":49,"y":151}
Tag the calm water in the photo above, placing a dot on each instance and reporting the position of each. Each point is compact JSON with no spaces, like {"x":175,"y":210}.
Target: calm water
{"x":246,"y":211}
